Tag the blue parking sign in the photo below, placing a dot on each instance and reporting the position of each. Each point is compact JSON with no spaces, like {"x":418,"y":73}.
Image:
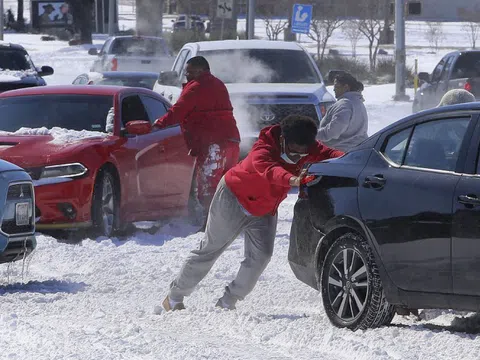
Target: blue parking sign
{"x":301,"y":18}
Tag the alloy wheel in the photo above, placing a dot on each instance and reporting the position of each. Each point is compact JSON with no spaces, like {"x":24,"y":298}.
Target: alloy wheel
{"x":348,"y":284}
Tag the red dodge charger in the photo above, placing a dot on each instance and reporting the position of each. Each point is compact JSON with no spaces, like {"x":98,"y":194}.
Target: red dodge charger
{"x":93,"y":156}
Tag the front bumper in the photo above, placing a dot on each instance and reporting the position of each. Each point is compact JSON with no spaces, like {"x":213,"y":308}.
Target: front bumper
{"x":16,"y":248}
{"x":64,"y":205}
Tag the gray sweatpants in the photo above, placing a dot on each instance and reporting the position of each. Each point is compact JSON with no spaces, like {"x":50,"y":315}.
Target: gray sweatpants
{"x":226,"y":220}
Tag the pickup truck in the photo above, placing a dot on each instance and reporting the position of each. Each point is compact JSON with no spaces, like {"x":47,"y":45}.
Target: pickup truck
{"x":456,"y":70}
{"x":132,"y":53}
{"x":267,"y":80}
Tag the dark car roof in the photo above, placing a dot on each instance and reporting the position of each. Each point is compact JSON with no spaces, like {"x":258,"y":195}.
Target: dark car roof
{"x":473,"y":106}
{"x":129,"y":74}
{"x":73,"y":89}
{"x":5,"y":44}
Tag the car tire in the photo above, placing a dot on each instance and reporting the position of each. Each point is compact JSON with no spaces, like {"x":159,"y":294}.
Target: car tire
{"x":352,"y":291}
{"x":105,"y":206}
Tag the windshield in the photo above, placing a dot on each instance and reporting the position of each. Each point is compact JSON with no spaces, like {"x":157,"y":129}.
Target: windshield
{"x":12,"y":59}
{"x":139,"y":47}
{"x":73,"y":112}
{"x":261,"y":66}
{"x":147,"y":83}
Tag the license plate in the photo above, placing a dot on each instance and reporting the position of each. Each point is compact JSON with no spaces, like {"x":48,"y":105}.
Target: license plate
{"x":21,"y":214}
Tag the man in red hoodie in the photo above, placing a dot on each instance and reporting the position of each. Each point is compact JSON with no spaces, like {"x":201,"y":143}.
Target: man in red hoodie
{"x":246,"y":200}
{"x":205,"y":114}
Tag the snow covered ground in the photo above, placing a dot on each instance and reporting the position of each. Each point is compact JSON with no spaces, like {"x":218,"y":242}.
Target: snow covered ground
{"x":100,"y":298}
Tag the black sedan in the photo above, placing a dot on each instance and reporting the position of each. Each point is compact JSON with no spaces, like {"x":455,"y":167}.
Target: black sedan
{"x":394,"y":222}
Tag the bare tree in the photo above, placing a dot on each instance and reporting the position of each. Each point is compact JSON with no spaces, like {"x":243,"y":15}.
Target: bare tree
{"x":321,"y":31}
{"x":472,"y":29}
{"x":471,"y":25}
{"x":274,"y":28}
{"x":351,"y":31}
{"x":434,"y":34}
{"x":371,"y":27}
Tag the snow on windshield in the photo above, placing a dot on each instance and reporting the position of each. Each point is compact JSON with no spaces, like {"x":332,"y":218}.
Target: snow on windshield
{"x":14,"y":75}
{"x":59,"y":135}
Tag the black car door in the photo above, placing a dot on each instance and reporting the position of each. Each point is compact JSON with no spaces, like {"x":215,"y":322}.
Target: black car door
{"x":466,"y":225}
{"x":405,"y":199}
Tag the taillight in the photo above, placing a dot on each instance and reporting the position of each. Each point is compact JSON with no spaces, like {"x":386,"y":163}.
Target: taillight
{"x":468,"y":86}
{"x":305,"y":183}
{"x":323,"y":110}
{"x":114,"y":64}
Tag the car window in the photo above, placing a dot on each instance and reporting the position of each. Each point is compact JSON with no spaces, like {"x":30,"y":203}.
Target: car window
{"x":105,"y":46}
{"x":13,"y":59}
{"x":178,"y":67}
{"x":467,"y":65}
{"x":133,"y":109}
{"x":396,"y":145}
{"x":155,"y":108}
{"x":67,"y":111}
{"x":437,"y":72}
{"x":446,"y":68}
{"x":436,"y":144}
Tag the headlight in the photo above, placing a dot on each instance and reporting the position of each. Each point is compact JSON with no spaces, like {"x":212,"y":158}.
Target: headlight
{"x":63,"y":171}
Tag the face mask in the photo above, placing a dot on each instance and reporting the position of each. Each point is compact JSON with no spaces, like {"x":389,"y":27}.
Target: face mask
{"x":285,"y":157}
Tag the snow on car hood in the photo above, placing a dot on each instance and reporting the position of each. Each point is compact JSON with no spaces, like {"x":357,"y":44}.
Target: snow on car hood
{"x":59,"y":135}
{"x":311,"y":92}
{"x":15,"y":75}
{"x":28,"y":147}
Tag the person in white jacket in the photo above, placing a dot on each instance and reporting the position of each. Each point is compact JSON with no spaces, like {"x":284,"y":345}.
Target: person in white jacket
{"x":345,"y":125}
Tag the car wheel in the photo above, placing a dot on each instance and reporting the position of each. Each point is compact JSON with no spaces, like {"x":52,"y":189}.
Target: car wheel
{"x":105,"y":205}
{"x":352,"y":291}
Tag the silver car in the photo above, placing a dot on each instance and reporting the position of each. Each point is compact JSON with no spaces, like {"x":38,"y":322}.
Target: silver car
{"x":17,"y":213}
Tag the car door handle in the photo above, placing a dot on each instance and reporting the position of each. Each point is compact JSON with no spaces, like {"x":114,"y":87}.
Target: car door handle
{"x":469,"y":200}
{"x":375,"y":181}
{"x":161,"y":148}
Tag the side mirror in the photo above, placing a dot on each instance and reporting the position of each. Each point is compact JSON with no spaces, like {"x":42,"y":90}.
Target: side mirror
{"x":45,"y":71}
{"x":138,"y":127}
{"x":332,"y":74}
{"x":424,"y":76}
{"x":168,"y":78}
{"x":92,"y":51}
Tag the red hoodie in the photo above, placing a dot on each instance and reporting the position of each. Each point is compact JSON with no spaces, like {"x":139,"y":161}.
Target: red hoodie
{"x":261,"y":181}
{"x":204,"y":112}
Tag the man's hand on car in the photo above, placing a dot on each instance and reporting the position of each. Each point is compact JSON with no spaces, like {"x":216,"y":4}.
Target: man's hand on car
{"x":295,"y":181}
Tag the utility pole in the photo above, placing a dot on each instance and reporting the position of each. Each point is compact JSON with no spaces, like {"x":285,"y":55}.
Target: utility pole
{"x":2,"y":18}
{"x":400,"y":52}
{"x":251,"y":20}
{"x":111,"y":17}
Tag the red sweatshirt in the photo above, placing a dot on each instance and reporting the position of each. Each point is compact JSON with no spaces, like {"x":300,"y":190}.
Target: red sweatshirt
{"x":261,"y":181}
{"x":204,"y":112}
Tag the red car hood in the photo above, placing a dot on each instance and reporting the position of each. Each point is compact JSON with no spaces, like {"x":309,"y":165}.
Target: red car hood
{"x":29,"y":151}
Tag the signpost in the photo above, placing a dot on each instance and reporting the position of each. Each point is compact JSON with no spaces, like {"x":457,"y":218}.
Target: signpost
{"x":301,"y":18}
{"x":224,"y":11}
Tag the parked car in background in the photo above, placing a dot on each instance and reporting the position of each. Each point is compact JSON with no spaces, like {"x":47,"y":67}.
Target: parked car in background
{"x":185,"y":22}
{"x":142,"y":79}
{"x":267,"y":80}
{"x":17,"y":230}
{"x":17,"y":69}
{"x":133,"y":53}
{"x":456,"y":70}
{"x":93,"y":156}
{"x":394,"y":222}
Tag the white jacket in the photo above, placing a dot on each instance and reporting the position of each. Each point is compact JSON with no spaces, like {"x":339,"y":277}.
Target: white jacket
{"x":345,"y":125}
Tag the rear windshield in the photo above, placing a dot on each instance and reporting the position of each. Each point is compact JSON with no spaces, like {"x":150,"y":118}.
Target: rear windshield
{"x":262,"y":66}
{"x":467,"y":65}
{"x":139,"y":47}
{"x":74,"y":112}
{"x":146,"y":83}
{"x":13,"y":59}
